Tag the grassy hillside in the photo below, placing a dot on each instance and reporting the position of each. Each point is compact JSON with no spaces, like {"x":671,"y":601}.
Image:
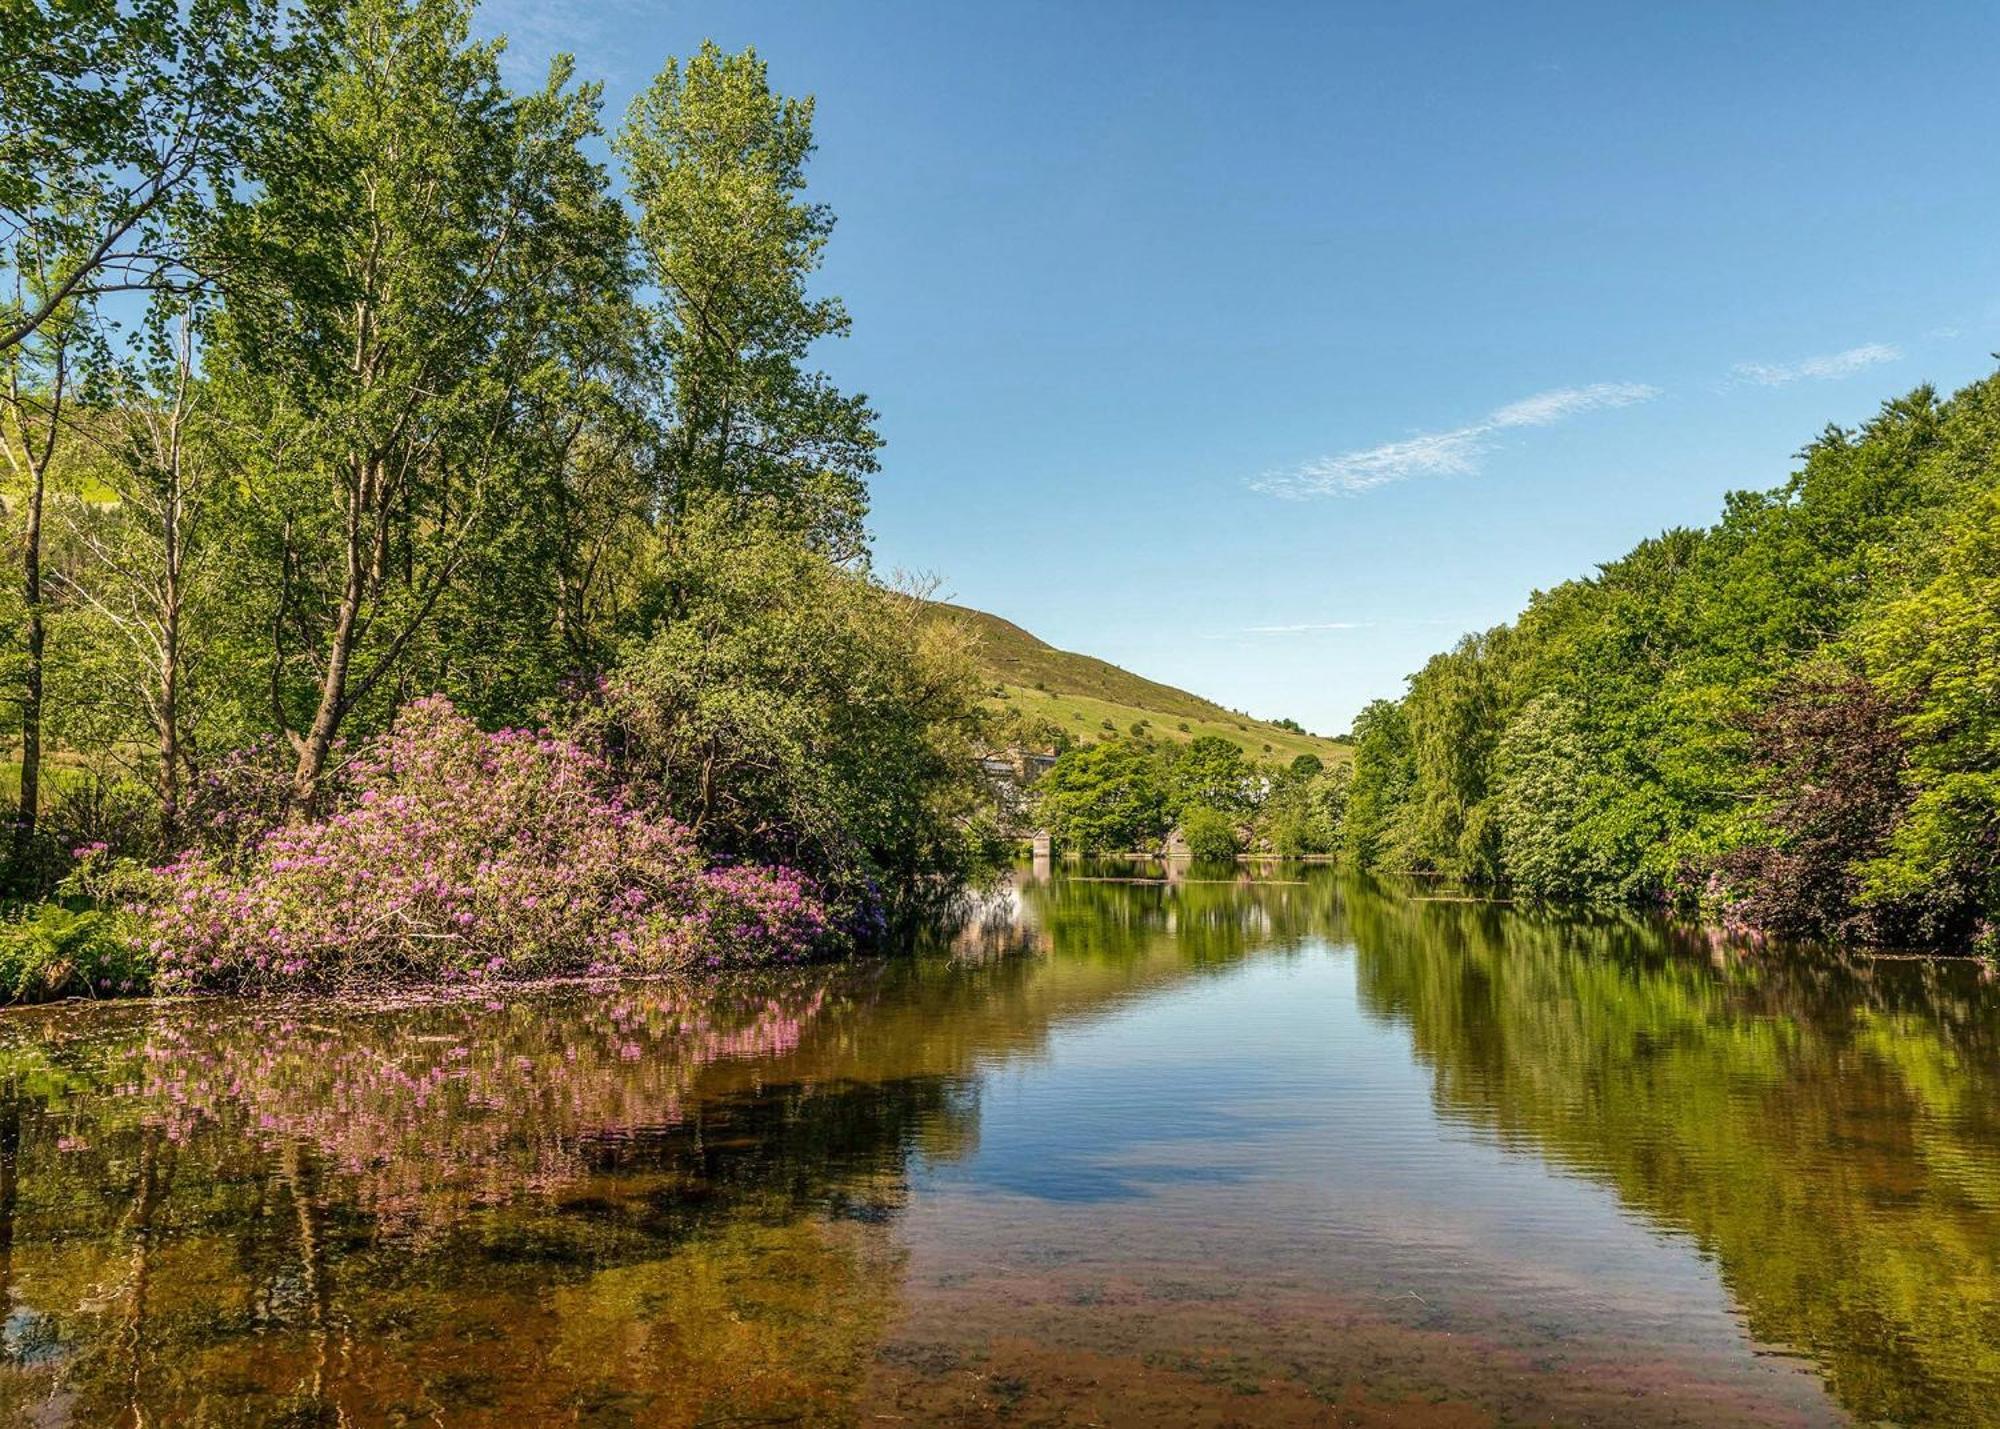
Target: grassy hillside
{"x":1079,"y":692}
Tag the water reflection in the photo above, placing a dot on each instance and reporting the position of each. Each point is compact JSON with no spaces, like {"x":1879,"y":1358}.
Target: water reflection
{"x":1136,"y":1140}
{"x":1826,"y":1127}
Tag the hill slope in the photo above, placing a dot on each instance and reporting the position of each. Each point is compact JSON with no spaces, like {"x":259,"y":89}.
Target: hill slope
{"x":1080,"y":692}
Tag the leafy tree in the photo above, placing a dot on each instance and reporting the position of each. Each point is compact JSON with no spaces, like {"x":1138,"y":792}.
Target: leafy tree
{"x":800,"y":713}
{"x":118,"y":125}
{"x":715,"y":160}
{"x":1667,"y":727}
{"x":1211,"y":835}
{"x":1101,"y":798}
{"x":1384,"y":772}
{"x":410,"y":291}
{"x":1452,"y":709}
{"x":1303,"y":811}
{"x":1831,"y":765}
{"x":1550,"y":803}
{"x":1208,"y":772}
{"x":143,"y":572}
{"x":1936,"y":653}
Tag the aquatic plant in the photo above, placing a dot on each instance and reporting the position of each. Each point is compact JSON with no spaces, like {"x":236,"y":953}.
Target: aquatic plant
{"x":459,"y":854}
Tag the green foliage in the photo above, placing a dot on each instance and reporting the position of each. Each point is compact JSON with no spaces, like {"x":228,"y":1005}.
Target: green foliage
{"x":410,"y":401}
{"x":1208,"y":772}
{"x":1305,"y":808}
{"x":424,"y":287}
{"x":1104,"y":798}
{"x":1371,"y":832}
{"x":1211,"y":835}
{"x":52,"y":950}
{"x":1936,"y":652}
{"x":715,"y":161}
{"x":1549,"y":803}
{"x":1618,"y":740}
{"x":797,"y":712}
{"x":117,"y":137}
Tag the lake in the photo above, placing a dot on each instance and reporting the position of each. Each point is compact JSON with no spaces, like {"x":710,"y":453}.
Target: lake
{"x":1138,"y":1146}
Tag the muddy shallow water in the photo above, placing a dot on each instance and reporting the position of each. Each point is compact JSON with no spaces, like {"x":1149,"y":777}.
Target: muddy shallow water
{"x":1283,"y":1148}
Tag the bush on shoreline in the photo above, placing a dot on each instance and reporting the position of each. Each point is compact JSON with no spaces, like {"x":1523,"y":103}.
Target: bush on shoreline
{"x":460,"y":855}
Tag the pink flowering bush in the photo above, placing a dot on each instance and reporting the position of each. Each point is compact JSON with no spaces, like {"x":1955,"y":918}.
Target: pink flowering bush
{"x":456,"y":855}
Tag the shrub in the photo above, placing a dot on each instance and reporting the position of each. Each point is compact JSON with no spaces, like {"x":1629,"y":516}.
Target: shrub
{"x":461,"y":854}
{"x":1211,"y":836}
{"x":55,"y":951}
{"x":798,"y":713}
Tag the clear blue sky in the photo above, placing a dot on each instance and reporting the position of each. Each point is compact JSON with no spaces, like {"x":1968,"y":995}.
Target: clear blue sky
{"x":1264,"y":348}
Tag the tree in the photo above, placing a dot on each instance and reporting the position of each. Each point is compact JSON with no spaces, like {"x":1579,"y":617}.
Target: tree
{"x":151,"y":448}
{"x":1303,"y":811}
{"x":1831,"y":769}
{"x":1211,"y":836}
{"x":415,"y":277}
{"x":800,"y":713}
{"x":1452,"y":711}
{"x":1384,"y":771}
{"x":38,"y":379}
{"x":715,"y":161}
{"x":1549,"y":794}
{"x":1104,"y":798}
{"x":1935,"y":653}
{"x":1208,"y":772}
{"x":130,"y":116}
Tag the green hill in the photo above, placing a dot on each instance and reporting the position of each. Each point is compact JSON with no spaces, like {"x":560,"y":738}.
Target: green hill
{"x":1078,"y":693}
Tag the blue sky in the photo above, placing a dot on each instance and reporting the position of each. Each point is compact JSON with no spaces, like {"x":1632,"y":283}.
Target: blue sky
{"x":1264,"y":348}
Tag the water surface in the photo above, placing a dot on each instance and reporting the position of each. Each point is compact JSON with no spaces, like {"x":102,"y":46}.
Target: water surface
{"x":1268,"y":1149}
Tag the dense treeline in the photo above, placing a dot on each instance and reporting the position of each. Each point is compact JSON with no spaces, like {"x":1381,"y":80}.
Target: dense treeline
{"x":1791,"y":718}
{"x":336,"y":374}
{"x":1126,"y":795}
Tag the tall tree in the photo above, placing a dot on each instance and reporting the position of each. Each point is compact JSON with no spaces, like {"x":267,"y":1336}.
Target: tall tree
{"x":419,"y":265}
{"x":34,"y":391}
{"x":150,"y":451}
{"x":716,"y":163}
{"x":115,"y":116}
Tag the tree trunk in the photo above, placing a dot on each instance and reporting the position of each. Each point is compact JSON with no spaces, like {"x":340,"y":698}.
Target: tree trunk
{"x":318,"y":740}
{"x":170,"y":716}
{"x":31,"y":693}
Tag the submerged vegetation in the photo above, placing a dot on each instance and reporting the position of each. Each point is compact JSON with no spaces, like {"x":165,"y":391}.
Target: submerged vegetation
{"x":705,"y":1172}
{"x":351,"y":412}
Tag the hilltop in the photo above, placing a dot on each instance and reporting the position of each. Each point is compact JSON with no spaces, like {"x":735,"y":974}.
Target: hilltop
{"x":1079,"y":693}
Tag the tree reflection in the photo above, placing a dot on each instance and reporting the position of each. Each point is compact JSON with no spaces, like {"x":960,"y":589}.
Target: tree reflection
{"x":640,"y":1203}
{"x":1826,"y":1127}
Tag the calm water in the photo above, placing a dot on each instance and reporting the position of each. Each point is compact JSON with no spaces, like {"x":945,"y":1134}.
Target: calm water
{"x":1270,"y":1151}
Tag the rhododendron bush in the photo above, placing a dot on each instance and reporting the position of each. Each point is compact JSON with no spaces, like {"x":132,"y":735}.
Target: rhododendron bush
{"x":456,"y":854}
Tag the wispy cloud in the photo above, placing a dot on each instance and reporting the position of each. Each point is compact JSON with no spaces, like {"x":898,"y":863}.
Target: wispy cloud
{"x":1307,"y":625}
{"x":537,"y":30}
{"x":1823,"y":368}
{"x":1457,"y":452}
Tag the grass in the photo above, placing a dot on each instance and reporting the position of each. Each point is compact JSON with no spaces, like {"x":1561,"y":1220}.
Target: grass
{"x":1084,"y":717}
{"x":1079,"y":692}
